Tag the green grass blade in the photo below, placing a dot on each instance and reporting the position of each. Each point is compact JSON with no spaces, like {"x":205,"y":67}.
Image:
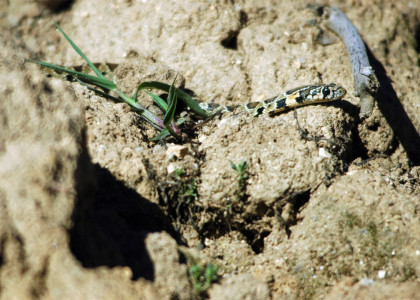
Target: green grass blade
{"x":109,"y":85}
{"x":147,"y":115}
{"x":173,"y":100}
{"x":162,"y":135}
{"x":187,"y":99}
{"x":170,"y":113}
{"x":90,"y":79}
{"x":97,"y":72}
{"x":99,"y":92}
{"x":152,"y":85}
{"x":159,"y":101}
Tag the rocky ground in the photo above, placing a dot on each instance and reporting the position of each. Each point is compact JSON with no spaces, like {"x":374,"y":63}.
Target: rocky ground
{"x":327,"y":205}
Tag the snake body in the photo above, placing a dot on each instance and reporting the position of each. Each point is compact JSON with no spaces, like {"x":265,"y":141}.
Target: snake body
{"x":304,"y":95}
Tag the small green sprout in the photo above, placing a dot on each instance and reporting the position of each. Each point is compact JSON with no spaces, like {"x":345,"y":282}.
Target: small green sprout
{"x":242,"y":172}
{"x":241,"y":169}
{"x":203,"y":276}
{"x":190,"y":191}
{"x":351,"y":220}
{"x":179,"y":172}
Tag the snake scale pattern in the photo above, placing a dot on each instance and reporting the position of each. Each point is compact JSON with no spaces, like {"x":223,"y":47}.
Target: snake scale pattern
{"x":304,"y":95}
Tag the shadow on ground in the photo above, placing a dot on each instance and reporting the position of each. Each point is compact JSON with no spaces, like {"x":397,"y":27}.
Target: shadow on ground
{"x":395,"y":114}
{"x":110,"y":224}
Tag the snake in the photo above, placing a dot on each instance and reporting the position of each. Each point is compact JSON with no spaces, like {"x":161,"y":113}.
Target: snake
{"x":300,"y":96}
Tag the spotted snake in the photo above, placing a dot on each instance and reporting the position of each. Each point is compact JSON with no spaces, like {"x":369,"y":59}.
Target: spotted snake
{"x":300,"y":96}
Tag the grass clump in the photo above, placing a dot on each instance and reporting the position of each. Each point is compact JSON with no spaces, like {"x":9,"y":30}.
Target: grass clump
{"x":202,"y":277}
{"x":189,"y":191}
{"x":242,"y":173}
{"x":107,"y":88}
{"x":179,"y":172}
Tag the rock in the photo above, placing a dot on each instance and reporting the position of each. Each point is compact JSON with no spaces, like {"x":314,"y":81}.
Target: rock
{"x":240,"y":287}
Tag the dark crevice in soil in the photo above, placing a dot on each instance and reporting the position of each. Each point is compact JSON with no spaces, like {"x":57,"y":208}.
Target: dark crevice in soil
{"x":256,"y":239}
{"x":286,"y":209}
{"x":39,"y":280}
{"x":243,"y":18}
{"x":231,"y":41}
{"x":417,"y":38}
{"x":3,"y":240}
{"x":300,"y":199}
{"x":111,"y":222}
{"x":356,"y":149}
{"x":59,"y":6}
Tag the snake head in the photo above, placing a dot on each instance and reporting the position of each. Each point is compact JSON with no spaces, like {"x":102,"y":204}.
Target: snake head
{"x":332,"y":91}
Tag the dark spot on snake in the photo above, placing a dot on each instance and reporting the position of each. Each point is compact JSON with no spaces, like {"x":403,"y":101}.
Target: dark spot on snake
{"x":281,"y":103}
{"x":260,"y":110}
{"x":292,"y":91}
{"x":299,"y":99}
{"x":326,"y":91}
{"x":251,"y":105}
